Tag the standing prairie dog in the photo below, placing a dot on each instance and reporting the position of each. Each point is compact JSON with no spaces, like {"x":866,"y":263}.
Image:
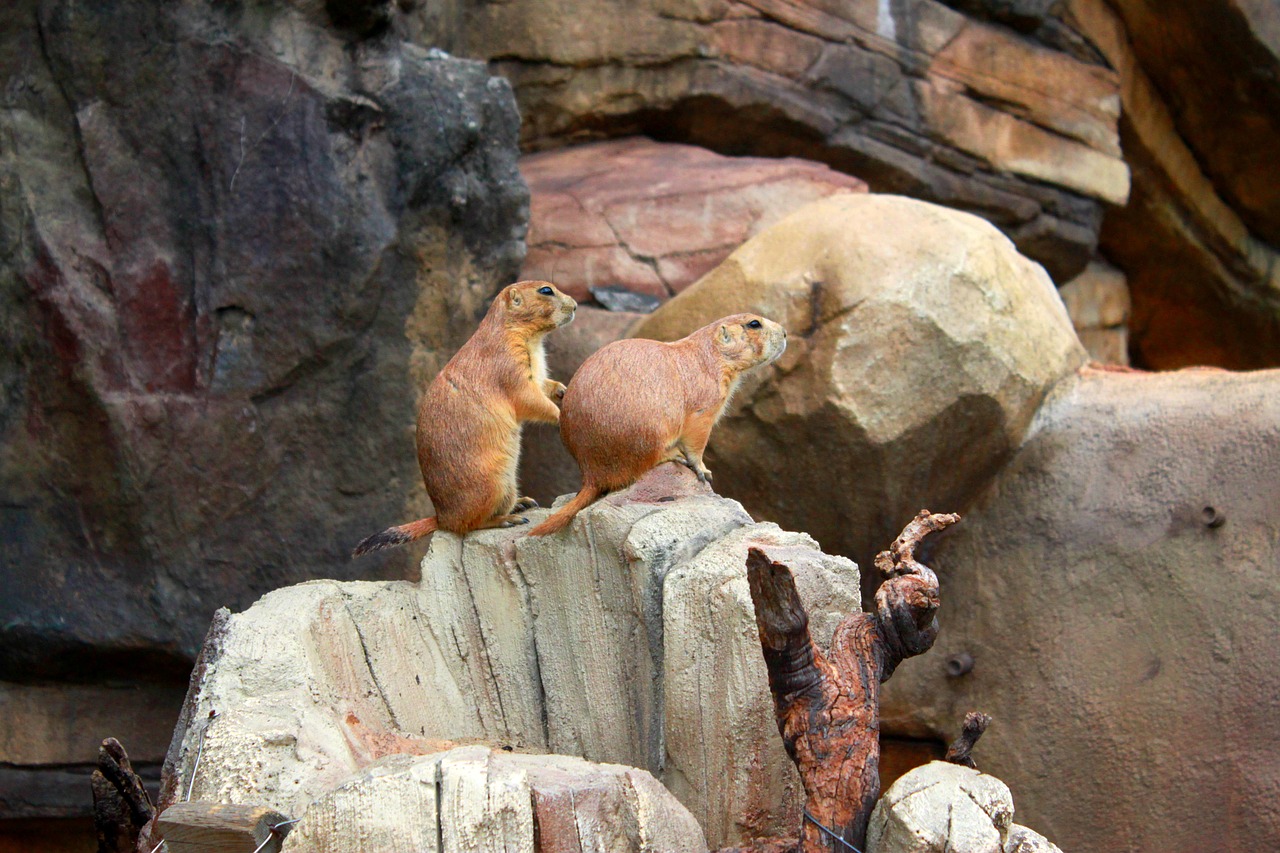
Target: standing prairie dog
{"x":469,"y":420}
{"x":635,"y":404}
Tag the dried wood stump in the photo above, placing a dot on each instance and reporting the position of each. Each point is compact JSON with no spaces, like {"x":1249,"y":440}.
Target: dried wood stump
{"x":828,"y":706}
{"x":121,"y":806}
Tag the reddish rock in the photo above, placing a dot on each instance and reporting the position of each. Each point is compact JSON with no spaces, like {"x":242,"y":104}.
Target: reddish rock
{"x":653,"y":217}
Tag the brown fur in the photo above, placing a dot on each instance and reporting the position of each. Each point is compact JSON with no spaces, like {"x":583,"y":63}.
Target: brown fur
{"x":470,"y":417}
{"x":635,"y":404}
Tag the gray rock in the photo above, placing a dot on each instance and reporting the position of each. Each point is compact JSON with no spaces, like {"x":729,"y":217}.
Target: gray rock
{"x":233,"y":241}
{"x":1114,"y":586}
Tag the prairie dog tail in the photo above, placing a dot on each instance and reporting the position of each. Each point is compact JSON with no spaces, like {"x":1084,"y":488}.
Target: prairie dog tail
{"x":393,"y":536}
{"x":560,"y":519}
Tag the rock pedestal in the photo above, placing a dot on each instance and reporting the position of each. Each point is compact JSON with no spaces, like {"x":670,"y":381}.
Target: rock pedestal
{"x":629,"y":638}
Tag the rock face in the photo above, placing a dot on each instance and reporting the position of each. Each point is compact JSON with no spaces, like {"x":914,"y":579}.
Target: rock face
{"x":1115,"y":588}
{"x":628,"y":639}
{"x":653,"y":217}
{"x":233,"y":242}
{"x":921,"y":344}
{"x":1097,"y":301}
{"x":478,"y":799}
{"x":941,"y":807}
{"x":1198,"y":236}
{"x":914,"y":97}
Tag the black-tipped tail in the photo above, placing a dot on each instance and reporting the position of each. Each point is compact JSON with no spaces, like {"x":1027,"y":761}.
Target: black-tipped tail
{"x":393,"y":536}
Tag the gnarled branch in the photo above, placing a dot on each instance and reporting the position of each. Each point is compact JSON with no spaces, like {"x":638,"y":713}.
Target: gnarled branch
{"x":828,"y":706}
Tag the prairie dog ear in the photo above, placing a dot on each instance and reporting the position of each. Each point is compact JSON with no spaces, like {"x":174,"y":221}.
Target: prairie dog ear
{"x":514,"y":298}
{"x":726,"y":337}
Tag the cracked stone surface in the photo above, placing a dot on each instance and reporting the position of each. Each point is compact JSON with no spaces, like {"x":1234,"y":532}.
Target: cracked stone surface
{"x":652,"y":217}
{"x":475,"y":799}
{"x":939,"y":808}
{"x":629,"y":638}
{"x":921,"y":344}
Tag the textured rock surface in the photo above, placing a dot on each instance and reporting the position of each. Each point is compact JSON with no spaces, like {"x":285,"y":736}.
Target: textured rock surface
{"x":921,"y":344}
{"x":914,"y":97}
{"x":629,"y":638}
{"x":232,"y":241}
{"x":941,"y":807}
{"x":1192,"y":239}
{"x":1097,"y":302}
{"x":653,"y":217}
{"x":475,"y":799}
{"x":1119,"y":600}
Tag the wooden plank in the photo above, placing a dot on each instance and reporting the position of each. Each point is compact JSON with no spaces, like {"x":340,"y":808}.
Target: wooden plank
{"x":198,"y":827}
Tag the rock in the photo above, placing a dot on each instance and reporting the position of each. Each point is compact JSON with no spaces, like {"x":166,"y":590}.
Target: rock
{"x":1115,"y":587}
{"x":913,"y":97}
{"x":232,"y":243}
{"x":941,"y":807}
{"x":1097,"y":302}
{"x":1204,"y":278}
{"x":479,"y":799}
{"x":1023,"y":840}
{"x":652,"y":217}
{"x":921,"y":342}
{"x":628,"y":639}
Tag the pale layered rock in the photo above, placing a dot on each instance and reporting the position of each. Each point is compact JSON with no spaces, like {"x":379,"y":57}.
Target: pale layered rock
{"x":628,"y":639}
{"x":921,"y":341}
{"x":941,"y":807}
{"x":1143,"y":508}
{"x":476,"y":799}
{"x":653,"y":217}
{"x":1097,"y":301}
{"x":913,"y":97}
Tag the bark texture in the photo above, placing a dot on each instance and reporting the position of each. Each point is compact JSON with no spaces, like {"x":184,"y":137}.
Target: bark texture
{"x":827,"y":705}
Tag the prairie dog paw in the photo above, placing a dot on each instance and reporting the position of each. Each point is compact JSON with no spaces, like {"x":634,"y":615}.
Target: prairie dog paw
{"x":553,"y":389}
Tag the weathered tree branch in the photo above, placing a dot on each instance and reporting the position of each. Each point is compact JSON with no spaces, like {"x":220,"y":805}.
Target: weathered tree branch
{"x":121,"y":806}
{"x":975,"y":724}
{"x":828,"y":706}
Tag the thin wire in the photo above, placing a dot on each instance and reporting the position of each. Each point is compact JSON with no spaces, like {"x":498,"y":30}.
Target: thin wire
{"x":199,"y":751}
{"x":814,"y":821}
{"x":158,"y":846}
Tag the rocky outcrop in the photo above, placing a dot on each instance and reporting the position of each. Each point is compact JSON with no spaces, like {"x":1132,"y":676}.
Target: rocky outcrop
{"x":628,"y":639}
{"x":479,"y":799}
{"x":233,"y":243}
{"x":653,"y":217}
{"x":921,"y":343}
{"x":233,"y":240}
{"x":941,"y":807}
{"x":1198,"y":236}
{"x":915,"y":98}
{"x":1118,"y":602}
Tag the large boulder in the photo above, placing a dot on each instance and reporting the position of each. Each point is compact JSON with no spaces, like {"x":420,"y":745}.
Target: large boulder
{"x":477,"y":799}
{"x":629,"y":639}
{"x":921,"y":345}
{"x":652,"y":217}
{"x":1115,"y":590}
{"x":233,"y":240}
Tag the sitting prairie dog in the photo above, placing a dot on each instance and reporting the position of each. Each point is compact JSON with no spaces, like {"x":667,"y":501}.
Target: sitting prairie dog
{"x":469,"y":420}
{"x":635,"y":404}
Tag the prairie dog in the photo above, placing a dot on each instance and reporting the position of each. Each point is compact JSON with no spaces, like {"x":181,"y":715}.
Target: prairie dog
{"x":635,"y":404}
{"x":470,"y":417}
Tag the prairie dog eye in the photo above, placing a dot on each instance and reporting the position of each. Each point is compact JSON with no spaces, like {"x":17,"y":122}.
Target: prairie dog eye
{"x":755,"y":324}
{"x":545,"y":291}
